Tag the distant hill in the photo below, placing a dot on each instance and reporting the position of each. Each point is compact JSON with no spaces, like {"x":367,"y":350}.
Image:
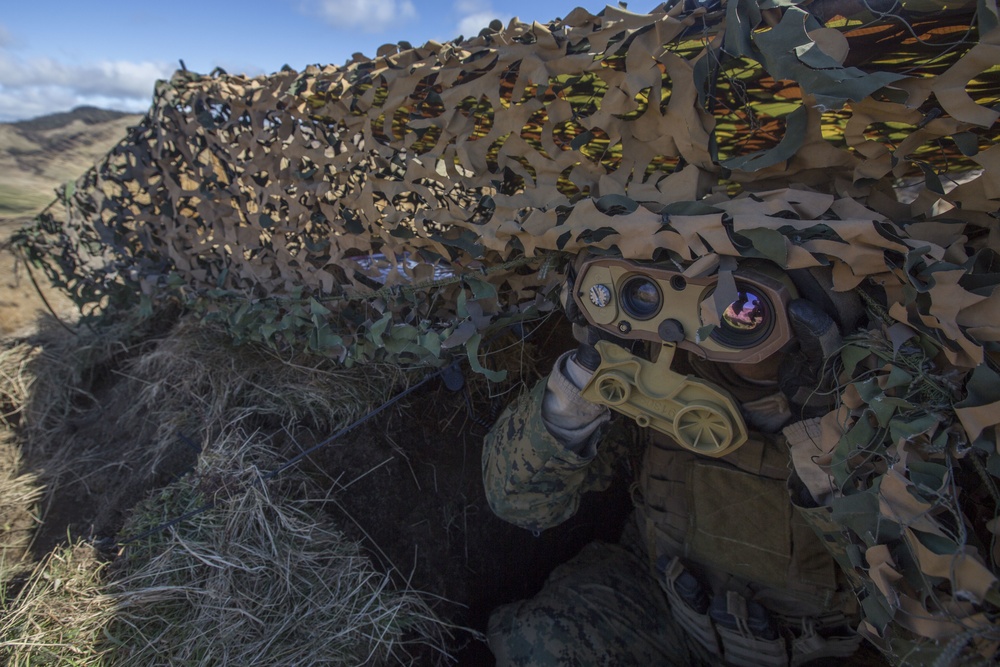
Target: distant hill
{"x":38,"y":155}
{"x":54,"y":121}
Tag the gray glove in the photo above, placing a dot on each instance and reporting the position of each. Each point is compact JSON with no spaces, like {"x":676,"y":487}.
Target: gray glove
{"x":572,"y":419}
{"x":807,"y":377}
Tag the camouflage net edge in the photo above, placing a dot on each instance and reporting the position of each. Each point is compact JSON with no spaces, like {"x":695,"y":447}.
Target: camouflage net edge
{"x":402,"y":207}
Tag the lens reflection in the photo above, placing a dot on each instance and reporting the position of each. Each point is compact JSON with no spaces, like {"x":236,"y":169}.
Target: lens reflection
{"x":747,"y":314}
{"x":746,"y":321}
{"x":640,"y":298}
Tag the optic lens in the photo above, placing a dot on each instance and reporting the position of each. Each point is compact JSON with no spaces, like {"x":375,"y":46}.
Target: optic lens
{"x":746,"y":314}
{"x":747,"y":321}
{"x":641,"y":298}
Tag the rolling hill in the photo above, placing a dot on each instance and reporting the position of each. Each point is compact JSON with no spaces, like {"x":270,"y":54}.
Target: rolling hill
{"x":38,"y":155}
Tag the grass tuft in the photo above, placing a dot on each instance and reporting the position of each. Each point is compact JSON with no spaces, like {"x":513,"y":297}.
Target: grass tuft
{"x":19,"y":496}
{"x":60,"y":614}
{"x":261,"y":578}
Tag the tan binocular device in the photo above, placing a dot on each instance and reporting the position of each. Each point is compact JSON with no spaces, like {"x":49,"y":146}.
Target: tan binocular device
{"x":739,"y":318}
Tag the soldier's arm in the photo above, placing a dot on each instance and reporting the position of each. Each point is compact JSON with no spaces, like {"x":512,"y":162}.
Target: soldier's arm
{"x":542,"y":454}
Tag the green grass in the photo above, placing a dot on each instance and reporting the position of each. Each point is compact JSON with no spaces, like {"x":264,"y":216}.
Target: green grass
{"x":16,"y":201}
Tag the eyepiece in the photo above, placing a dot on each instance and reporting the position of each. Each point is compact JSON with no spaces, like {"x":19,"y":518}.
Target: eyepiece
{"x":746,"y":321}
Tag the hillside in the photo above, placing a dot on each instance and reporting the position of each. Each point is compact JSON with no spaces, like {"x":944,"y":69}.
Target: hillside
{"x":37,"y":156}
{"x":40,"y":154}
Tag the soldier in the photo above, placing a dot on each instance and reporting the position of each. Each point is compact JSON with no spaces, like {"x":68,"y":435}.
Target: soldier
{"x":718,"y":564}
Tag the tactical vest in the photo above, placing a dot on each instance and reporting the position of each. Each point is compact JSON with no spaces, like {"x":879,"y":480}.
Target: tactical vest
{"x":727,"y":526}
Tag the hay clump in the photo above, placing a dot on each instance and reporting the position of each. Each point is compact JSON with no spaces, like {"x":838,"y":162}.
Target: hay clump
{"x":15,"y":381}
{"x":59,"y":616}
{"x":53,"y":379}
{"x":262,"y":578}
{"x":196,"y":379}
{"x":105,"y":415}
{"x":20,"y":492}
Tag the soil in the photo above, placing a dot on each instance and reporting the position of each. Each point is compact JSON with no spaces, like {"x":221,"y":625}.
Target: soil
{"x":407,"y":485}
{"x":422,"y":512}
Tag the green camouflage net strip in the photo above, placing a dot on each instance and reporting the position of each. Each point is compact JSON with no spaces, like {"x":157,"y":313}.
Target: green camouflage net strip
{"x":405,"y":206}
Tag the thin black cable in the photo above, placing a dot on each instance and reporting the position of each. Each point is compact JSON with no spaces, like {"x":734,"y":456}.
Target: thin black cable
{"x":288,"y":464}
{"x":353,"y":425}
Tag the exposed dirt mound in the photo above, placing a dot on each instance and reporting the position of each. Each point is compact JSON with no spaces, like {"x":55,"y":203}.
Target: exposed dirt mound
{"x":111,"y":418}
{"x":410,"y":488}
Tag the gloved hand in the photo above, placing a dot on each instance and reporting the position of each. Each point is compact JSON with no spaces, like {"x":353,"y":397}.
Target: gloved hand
{"x":586,"y":354}
{"x":806,"y":376}
{"x":568,"y":416}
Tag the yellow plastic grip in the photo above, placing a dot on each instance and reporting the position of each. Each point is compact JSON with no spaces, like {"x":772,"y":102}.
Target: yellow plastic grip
{"x":697,"y":414}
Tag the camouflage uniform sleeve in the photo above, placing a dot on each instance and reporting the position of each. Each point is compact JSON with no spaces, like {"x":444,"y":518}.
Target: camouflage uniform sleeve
{"x":532,"y":479}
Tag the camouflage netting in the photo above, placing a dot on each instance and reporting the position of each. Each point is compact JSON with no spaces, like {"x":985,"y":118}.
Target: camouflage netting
{"x":404,"y":206}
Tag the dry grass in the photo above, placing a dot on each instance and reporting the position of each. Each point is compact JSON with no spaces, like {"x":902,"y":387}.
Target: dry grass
{"x":195,"y":380}
{"x":19,"y":496}
{"x":50,"y":377}
{"x":20,"y":491}
{"x":15,"y":381}
{"x":60,"y":615}
{"x":260,"y":578}
{"x":114,"y":405}
{"x":48,"y":390}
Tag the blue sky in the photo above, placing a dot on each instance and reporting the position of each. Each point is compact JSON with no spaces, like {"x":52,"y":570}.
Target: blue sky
{"x":58,"y":54}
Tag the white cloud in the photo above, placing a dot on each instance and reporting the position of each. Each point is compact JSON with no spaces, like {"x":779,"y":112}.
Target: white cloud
{"x":371,"y":16}
{"x":474,"y":15}
{"x":471,"y":25}
{"x":32,"y":87}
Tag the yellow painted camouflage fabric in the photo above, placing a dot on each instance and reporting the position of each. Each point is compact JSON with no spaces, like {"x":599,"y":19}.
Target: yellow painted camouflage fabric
{"x":373,"y":210}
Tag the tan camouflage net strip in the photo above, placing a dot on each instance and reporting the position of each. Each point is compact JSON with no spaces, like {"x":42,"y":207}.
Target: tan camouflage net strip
{"x":402,"y":207}
{"x":542,"y":138}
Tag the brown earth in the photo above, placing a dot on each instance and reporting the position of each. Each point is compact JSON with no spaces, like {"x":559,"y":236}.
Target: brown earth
{"x":422,"y":510}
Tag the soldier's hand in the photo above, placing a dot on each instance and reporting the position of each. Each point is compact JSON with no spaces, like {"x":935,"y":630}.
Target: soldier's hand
{"x":807,"y":376}
{"x":586,"y":353}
